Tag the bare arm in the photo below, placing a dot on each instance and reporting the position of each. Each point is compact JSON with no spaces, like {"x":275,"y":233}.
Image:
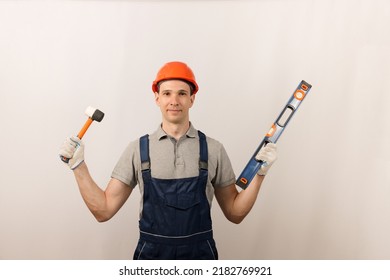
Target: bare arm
{"x":236,"y":205}
{"x":102,"y":204}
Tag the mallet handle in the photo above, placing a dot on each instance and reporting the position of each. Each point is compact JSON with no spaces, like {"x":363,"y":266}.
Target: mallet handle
{"x":85,"y":128}
{"x":64,"y":159}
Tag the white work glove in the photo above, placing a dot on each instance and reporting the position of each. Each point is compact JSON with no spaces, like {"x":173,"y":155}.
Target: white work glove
{"x":268,"y":156}
{"x":73,"y":149}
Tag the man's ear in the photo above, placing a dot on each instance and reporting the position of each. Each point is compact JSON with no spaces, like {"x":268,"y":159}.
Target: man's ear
{"x":156,"y":97}
{"x":192,"y":98}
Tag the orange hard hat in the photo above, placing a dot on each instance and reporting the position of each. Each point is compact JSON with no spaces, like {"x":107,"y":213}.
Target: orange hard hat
{"x":175,"y":70}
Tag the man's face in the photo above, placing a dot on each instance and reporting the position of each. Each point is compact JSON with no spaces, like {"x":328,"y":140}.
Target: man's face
{"x":175,"y":100}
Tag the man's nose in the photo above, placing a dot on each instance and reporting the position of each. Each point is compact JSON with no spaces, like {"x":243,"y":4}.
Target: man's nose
{"x":174,"y":100}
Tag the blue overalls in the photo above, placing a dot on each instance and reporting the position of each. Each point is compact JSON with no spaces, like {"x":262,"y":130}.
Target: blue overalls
{"x":175,"y":221}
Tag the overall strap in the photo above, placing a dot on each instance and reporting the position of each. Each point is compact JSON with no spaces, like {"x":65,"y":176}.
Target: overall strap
{"x":203,"y":156}
{"x":144,"y":150}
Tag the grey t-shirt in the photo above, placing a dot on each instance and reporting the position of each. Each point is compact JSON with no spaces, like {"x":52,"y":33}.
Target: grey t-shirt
{"x":174,"y":159}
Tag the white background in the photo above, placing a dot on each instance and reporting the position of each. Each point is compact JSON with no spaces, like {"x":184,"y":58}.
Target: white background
{"x":327,"y":196}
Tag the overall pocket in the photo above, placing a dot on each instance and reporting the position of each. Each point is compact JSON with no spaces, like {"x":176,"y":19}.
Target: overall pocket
{"x":182,"y":201}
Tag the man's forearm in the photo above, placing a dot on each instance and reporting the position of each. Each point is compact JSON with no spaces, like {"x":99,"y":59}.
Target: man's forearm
{"x":236,"y":205}
{"x":247,"y":198}
{"x":94,"y":197}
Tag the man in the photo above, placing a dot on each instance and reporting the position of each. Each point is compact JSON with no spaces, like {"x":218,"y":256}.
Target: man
{"x":178,"y":170}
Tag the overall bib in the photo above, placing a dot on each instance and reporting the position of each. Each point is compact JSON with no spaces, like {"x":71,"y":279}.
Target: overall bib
{"x":176,"y":221}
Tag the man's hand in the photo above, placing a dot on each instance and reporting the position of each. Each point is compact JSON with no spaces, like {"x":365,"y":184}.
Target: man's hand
{"x":73,"y":149}
{"x":268,"y":155}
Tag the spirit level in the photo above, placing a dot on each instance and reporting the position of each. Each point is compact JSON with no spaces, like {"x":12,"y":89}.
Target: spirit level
{"x":274,"y":133}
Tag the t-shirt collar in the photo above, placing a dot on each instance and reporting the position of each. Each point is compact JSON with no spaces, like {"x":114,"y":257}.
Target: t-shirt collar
{"x":191,"y":132}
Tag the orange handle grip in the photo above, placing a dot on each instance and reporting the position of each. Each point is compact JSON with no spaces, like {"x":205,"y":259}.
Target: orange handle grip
{"x":85,"y":128}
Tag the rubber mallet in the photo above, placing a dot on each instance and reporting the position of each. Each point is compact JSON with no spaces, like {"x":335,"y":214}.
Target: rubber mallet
{"x":93,"y":115}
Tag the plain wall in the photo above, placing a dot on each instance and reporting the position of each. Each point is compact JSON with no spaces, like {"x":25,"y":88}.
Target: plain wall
{"x":326,"y":197}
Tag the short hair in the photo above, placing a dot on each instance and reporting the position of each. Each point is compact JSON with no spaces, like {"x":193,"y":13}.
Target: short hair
{"x":192,"y":86}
